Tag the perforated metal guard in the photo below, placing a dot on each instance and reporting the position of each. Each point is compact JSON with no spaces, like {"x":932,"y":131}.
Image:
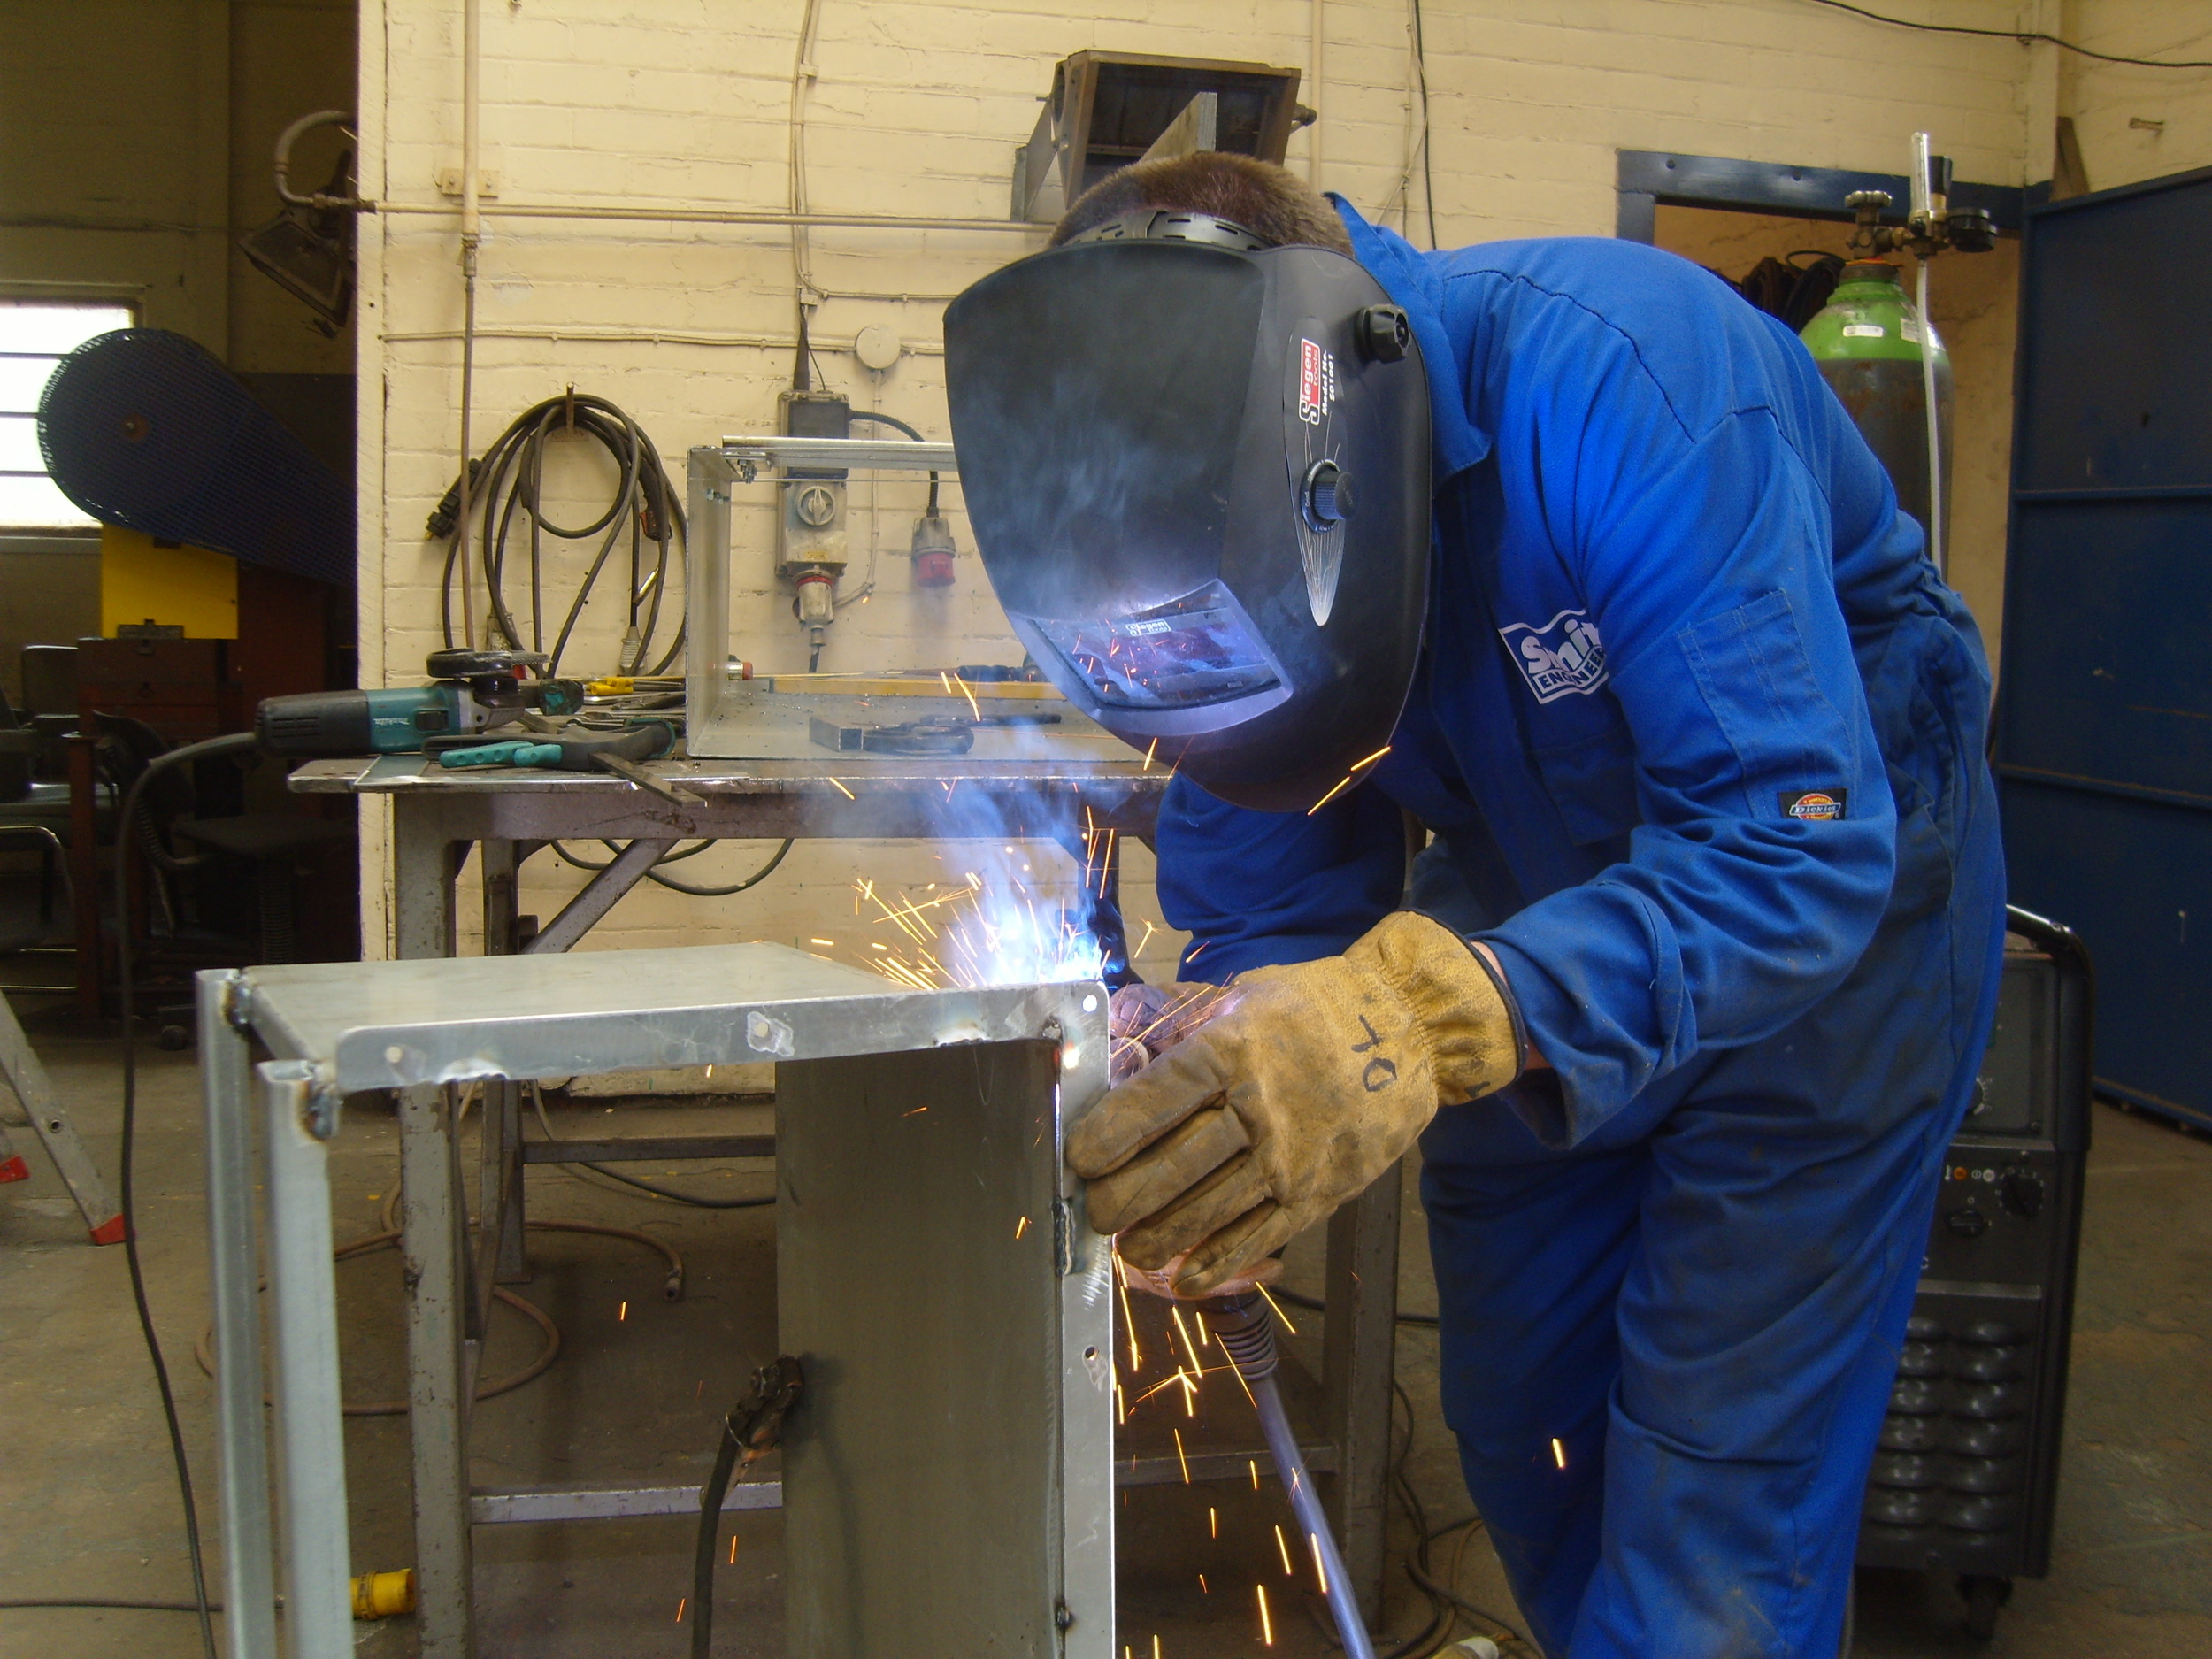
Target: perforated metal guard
{"x":143,"y":428}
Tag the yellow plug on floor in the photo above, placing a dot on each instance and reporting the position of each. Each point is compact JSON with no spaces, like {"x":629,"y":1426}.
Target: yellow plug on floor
{"x":382,"y":1594}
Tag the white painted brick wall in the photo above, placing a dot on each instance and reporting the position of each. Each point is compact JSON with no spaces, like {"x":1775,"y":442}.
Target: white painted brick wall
{"x":2136,"y":123}
{"x":917,"y":109}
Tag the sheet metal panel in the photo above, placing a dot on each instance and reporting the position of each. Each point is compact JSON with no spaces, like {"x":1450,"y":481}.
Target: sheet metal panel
{"x":917,"y":1280}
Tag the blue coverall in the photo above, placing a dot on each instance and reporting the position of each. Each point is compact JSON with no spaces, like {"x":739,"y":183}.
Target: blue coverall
{"x":1699,"y":731}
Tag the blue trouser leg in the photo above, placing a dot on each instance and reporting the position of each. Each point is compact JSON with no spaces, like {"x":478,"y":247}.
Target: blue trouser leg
{"x":1529,"y":1263}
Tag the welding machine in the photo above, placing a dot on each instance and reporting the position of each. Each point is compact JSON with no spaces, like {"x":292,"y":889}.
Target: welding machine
{"x":1966,"y":1476}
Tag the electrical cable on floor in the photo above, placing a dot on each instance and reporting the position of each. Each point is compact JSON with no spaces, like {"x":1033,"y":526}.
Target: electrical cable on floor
{"x":537,"y":1103}
{"x":670,"y":882}
{"x":510,"y":478}
{"x":1318,"y":1306}
{"x":389,"y":1237}
{"x":1508,"y":1640}
{"x":111,"y":1602}
{"x":235,"y":744}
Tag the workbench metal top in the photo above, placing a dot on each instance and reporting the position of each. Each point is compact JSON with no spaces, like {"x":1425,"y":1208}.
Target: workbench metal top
{"x":396,"y":1024}
{"x":405,"y":774}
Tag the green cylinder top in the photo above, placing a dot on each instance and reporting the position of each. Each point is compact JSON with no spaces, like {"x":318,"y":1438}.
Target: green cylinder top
{"x":1869,"y":316}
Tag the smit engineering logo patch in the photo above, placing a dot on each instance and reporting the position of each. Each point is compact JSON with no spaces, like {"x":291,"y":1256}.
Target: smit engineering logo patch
{"x":1564,"y":655}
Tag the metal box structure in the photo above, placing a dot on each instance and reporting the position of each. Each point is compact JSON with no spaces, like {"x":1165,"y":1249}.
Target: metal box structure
{"x":771,"y":718}
{"x":935,"y":1276}
{"x":1967,"y":1474}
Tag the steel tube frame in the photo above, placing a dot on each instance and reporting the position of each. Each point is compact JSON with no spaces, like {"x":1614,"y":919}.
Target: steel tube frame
{"x":303,"y":1324}
{"x":364,"y":1032}
{"x":240,"y":1434}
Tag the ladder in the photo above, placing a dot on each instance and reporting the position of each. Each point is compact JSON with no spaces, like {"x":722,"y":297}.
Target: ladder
{"x":23,"y":1074}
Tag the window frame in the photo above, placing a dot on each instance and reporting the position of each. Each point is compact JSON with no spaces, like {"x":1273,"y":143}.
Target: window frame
{"x":85,"y":297}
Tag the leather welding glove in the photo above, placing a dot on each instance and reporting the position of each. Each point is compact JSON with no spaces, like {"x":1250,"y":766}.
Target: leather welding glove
{"x":1145,"y":1021}
{"x":1306,"y":1084}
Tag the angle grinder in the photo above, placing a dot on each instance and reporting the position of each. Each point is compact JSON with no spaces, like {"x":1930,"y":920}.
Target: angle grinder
{"x":469,"y":692}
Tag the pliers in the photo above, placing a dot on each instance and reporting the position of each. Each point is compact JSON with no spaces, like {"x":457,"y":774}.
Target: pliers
{"x":618,"y":752}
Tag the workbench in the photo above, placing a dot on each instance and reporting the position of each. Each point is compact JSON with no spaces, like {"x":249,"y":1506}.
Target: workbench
{"x":506,"y":816}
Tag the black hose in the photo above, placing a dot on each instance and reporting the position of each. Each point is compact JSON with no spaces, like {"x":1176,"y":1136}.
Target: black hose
{"x":236,"y":743}
{"x":896,"y":425}
{"x":507,"y":480}
{"x":110,"y":1602}
{"x":681,"y":1198}
{"x":710,"y":1497}
{"x":670,"y":882}
{"x":1319,"y":1306}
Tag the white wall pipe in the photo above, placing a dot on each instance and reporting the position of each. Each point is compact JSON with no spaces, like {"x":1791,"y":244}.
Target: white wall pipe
{"x":471,"y":238}
{"x":1313,"y":133}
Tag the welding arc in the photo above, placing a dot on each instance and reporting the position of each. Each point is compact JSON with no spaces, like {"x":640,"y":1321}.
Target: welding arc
{"x":508,"y":478}
{"x":670,"y":882}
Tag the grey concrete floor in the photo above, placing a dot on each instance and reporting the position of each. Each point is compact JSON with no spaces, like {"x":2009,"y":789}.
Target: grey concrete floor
{"x":88,"y":1506}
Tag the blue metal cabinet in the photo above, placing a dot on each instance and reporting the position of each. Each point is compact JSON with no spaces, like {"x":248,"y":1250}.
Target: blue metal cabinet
{"x":2104,"y":732}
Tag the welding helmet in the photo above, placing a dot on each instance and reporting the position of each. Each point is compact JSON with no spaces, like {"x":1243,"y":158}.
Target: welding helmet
{"x":1197,"y":468}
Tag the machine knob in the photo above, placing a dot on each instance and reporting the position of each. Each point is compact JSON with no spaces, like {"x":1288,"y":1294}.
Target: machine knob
{"x":1384,"y":334}
{"x":2021,"y":1193}
{"x":1969,"y":1222}
{"x":815,"y":506}
{"x":1328,"y":495}
{"x":1971,"y":229}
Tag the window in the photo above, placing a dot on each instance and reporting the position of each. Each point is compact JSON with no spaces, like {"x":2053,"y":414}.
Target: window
{"x":34,"y":336}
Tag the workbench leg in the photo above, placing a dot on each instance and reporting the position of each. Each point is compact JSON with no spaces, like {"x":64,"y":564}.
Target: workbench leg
{"x":1358,"y":1361}
{"x":501,"y":1205}
{"x":241,"y":1435}
{"x":424,"y":863}
{"x":304,"y":1332}
{"x":431,"y":1246}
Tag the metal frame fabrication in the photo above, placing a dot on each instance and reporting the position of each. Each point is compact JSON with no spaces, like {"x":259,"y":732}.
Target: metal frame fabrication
{"x":439,"y":817}
{"x":860,"y":1274}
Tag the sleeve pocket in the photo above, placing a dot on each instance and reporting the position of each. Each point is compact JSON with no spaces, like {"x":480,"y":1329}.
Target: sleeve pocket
{"x":1751,"y":666}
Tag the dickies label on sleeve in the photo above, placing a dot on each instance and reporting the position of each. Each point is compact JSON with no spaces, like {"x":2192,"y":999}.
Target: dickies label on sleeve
{"x":1813,"y":806}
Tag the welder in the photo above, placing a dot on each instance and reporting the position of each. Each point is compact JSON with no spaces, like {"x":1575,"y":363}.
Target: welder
{"x":1686,"y":991}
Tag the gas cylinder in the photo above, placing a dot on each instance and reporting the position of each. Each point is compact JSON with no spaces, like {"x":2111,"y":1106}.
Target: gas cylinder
{"x":1867,"y":341}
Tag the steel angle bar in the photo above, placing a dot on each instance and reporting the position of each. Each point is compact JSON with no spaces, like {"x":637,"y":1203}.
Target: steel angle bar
{"x":612,"y":1503}
{"x":240,"y":1434}
{"x":304,"y":1307}
{"x":624,"y":872}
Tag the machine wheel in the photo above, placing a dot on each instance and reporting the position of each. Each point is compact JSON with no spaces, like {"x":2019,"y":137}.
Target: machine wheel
{"x":1984,"y":1593}
{"x":173,"y":1038}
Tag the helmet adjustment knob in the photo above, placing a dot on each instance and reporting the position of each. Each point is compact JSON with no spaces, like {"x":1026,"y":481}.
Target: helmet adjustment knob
{"x":1384,"y":334}
{"x":1328,"y":494}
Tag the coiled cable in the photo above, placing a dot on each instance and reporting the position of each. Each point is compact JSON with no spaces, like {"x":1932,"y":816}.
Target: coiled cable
{"x":508,"y":481}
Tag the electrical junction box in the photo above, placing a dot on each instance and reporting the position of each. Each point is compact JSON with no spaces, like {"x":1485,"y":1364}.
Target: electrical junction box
{"x":812,"y":532}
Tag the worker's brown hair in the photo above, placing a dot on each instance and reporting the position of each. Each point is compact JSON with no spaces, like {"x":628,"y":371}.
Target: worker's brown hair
{"x":1280,"y":210}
